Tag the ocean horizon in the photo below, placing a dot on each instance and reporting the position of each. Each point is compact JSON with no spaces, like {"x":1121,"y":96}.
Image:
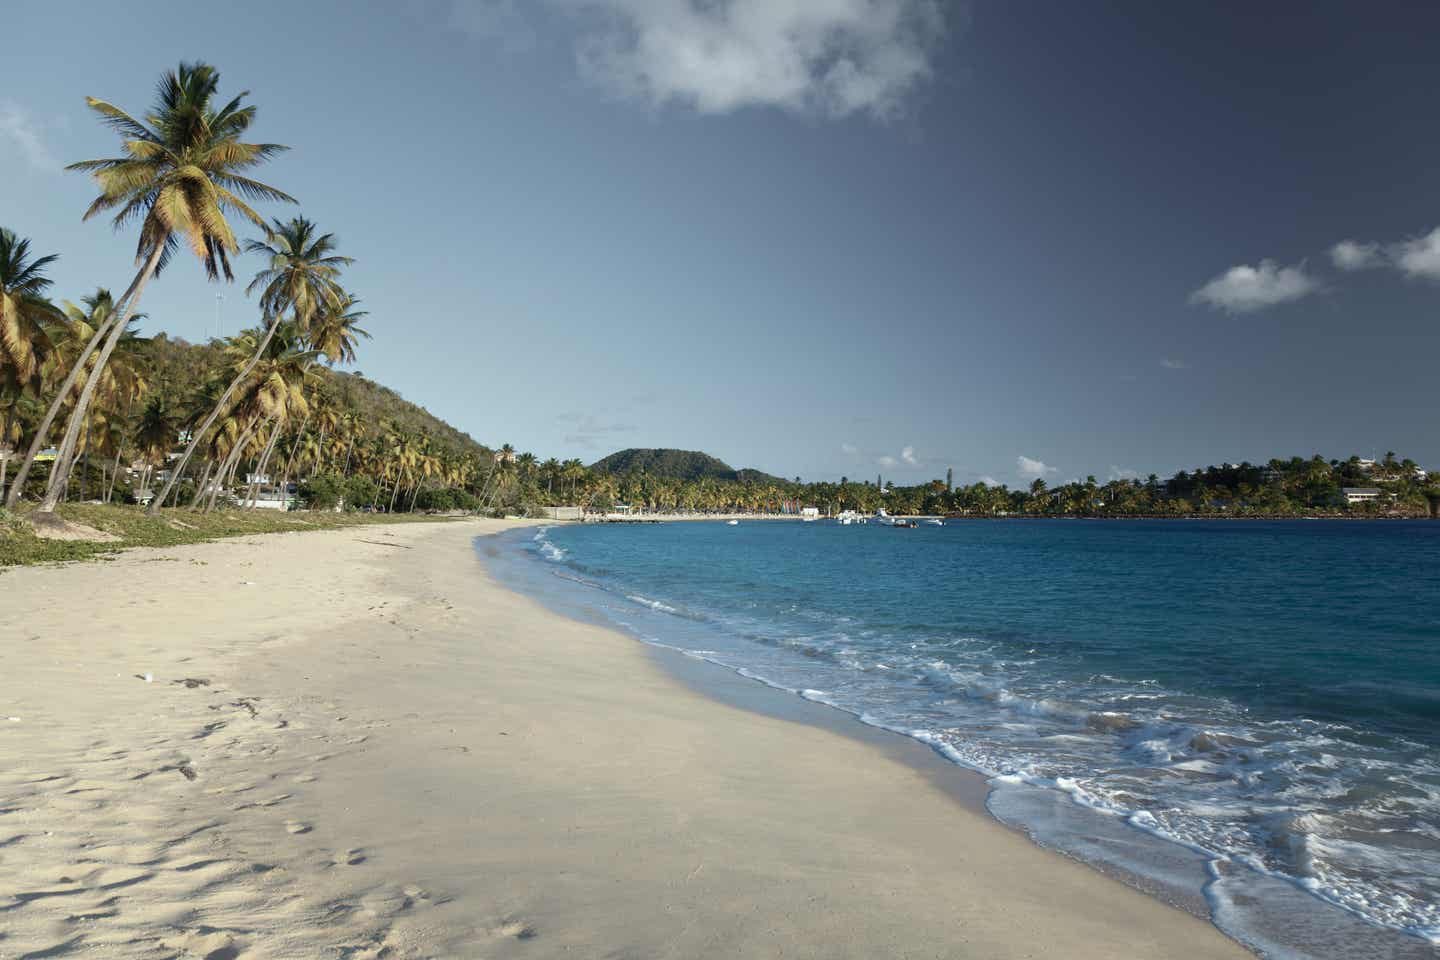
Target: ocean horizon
{"x":1240,"y":716}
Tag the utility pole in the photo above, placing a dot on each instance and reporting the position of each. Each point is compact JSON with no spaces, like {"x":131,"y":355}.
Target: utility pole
{"x":949,"y":479}
{"x":219,"y":302}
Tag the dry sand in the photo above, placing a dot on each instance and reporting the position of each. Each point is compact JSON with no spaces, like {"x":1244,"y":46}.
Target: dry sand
{"x":353,"y":744}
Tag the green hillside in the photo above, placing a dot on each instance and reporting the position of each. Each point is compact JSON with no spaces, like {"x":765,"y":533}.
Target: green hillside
{"x":674,"y":465}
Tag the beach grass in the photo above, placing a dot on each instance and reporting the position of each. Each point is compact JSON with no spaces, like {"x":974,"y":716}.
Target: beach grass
{"x":132,"y":528}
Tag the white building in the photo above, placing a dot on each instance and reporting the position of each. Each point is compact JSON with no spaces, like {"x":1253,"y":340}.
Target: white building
{"x":1355,"y":495}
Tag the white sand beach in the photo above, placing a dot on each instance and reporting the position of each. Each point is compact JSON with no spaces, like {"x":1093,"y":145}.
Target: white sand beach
{"x":354,"y":744}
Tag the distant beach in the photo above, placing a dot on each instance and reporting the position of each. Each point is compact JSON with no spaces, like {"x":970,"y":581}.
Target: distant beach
{"x":355,"y":742}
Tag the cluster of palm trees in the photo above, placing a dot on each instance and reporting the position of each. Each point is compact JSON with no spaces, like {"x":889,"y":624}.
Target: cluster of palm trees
{"x":74,"y":380}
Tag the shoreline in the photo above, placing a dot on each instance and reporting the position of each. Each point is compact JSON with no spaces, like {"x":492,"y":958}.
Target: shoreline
{"x":304,"y":744}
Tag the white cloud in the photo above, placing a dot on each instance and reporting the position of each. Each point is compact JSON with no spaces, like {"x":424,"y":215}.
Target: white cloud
{"x":1032,"y":468}
{"x":1123,"y":473}
{"x":849,"y":449}
{"x":1170,"y":364}
{"x":1244,"y":289}
{"x":21,"y":131}
{"x":829,"y":57}
{"x":1418,"y":257}
{"x":1350,"y":255}
{"x":989,"y":481}
{"x":887,"y":461}
{"x":908,"y":455}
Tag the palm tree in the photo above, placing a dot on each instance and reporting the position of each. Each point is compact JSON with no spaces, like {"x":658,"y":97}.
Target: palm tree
{"x":180,"y":176}
{"x":301,"y":278}
{"x":25,"y":316}
{"x":73,"y":338}
{"x":336,"y":330}
{"x":154,"y":436}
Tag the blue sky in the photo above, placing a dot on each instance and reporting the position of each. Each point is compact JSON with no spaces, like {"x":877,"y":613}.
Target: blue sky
{"x":822,"y":237}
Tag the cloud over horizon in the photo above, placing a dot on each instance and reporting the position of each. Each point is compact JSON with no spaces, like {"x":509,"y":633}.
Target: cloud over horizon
{"x":827,"y":57}
{"x":1245,"y":289}
{"x":1034,"y":469}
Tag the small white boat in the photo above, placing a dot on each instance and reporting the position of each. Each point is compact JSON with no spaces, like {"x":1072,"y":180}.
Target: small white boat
{"x":934,"y":522}
{"x":732,"y":523}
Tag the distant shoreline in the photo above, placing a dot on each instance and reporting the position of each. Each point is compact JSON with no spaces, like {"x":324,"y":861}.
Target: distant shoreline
{"x":682,"y":517}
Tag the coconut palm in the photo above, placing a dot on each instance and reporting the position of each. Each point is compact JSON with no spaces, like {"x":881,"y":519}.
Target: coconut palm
{"x":73,"y":335}
{"x":25,"y":318}
{"x":24,"y":314}
{"x":180,"y":176}
{"x":301,"y":278}
{"x":335,"y":330}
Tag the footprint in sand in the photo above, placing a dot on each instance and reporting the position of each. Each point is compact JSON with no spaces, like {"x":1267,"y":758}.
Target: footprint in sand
{"x":297,"y":827}
{"x":513,"y":929}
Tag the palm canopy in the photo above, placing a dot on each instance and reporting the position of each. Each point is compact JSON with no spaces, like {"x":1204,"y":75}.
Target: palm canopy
{"x":274,"y":388}
{"x":24,"y":313}
{"x":183,"y":169}
{"x":303,"y":275}
{"x":335,"y":330}
{"x":122,"y":379}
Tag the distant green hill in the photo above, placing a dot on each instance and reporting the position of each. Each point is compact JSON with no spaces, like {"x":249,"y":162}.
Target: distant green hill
{"x":675,"y":465}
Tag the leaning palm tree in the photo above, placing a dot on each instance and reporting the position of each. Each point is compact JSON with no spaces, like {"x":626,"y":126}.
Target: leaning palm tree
{"x":181,"y":174}
{"x":303,"y":276}
{"x":74,"y":336}
{"x":25,"y":319}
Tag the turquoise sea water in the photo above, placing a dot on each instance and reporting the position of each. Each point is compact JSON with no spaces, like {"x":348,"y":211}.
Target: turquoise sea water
{"x":1245,"y":711}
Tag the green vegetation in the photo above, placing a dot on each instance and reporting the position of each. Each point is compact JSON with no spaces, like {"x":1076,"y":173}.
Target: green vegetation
{"x":133,"y":528}
{"x":89,"y":410}
{"x":1281,"y":488}
{"x":667,"y":464}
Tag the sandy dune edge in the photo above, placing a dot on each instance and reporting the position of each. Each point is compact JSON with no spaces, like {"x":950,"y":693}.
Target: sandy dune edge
{"x":352,"y":744}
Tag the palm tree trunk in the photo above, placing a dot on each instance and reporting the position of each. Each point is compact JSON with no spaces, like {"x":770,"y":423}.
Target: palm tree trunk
{"x":320,"y":452}
{"x":114,"y":475}
{"x":228,"y":466}
{"x":393,"y":491}
{"x":66,"y":386}
{"x":200,"y":487}
{"x":65,"y":456}
{"x":263,"y":467}
{"x":254,"y":489}
{"x":85,"y":462}
{"x":175,"y":500}
{"x":220,"y":405}
{"x":294,"y":449}
{"x":4,"y":469}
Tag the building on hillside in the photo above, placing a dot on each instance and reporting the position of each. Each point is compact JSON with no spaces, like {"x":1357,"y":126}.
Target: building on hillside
{"x":1354,"y":495}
